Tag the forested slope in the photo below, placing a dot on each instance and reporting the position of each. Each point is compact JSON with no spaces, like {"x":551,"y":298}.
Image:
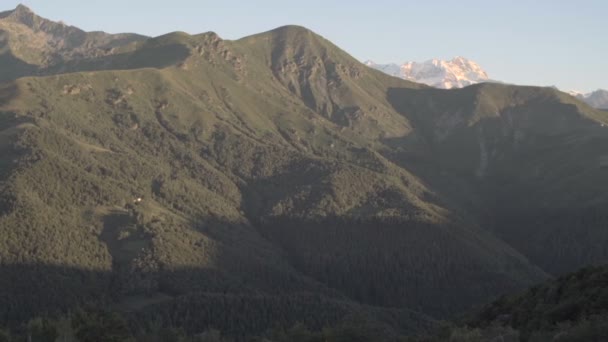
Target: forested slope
{"x":279,"y":175}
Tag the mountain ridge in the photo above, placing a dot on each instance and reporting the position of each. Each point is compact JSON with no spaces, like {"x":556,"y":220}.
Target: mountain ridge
{"x":203,"y":168}
{"x":460,"y":72}
{"x":39,"y":44}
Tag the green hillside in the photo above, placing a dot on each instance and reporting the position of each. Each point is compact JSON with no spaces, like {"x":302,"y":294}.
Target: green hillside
{"x":275,"y":179}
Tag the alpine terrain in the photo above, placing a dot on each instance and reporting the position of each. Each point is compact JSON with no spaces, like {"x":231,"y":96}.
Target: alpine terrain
{"x":461,"y":72}
{"x":190,"y":183}
{"x":456,"y":73}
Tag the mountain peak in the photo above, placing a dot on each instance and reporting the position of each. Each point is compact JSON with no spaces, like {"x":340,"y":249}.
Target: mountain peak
{"x":455,"y":73}
{"x":293,"y":29}
{"x":293,"y":33}
{"x":21,"y":13}
{"x":35,"y":43}
{"x":21,"y":8}
{"x":24,"y":15}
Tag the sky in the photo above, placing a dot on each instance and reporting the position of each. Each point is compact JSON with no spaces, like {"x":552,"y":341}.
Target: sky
{"x":533,"y":42}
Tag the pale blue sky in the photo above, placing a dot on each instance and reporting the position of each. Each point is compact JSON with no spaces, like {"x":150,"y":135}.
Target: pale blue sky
{"x":540,"y":42}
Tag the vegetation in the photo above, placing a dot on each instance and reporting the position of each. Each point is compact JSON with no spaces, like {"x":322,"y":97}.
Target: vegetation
{"x":183,"y":183}
{"x":570,"y":308}
{"x":576,"y":303}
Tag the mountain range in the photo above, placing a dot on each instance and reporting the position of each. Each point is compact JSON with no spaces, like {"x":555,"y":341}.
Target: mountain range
{"x":190,"y":181}
{"x":456,"y":73}
{"x":460,"y":72}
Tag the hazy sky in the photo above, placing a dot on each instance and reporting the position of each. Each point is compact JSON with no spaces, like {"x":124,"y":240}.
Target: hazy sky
{"x":540,"y":42}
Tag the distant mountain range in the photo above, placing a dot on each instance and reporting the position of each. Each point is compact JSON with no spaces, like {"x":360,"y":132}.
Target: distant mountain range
{"x":461,"y":72}
{"x":456,"y":73}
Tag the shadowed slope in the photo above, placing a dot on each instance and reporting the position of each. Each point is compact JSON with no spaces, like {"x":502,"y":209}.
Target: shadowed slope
{"x":535,"y":156}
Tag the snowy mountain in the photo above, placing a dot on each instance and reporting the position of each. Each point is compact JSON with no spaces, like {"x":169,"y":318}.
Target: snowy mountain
{"x":461,"y":72}
{"x":456,"y":73}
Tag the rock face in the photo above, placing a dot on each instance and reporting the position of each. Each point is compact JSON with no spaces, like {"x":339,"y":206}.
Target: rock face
{"x":456,"y":73}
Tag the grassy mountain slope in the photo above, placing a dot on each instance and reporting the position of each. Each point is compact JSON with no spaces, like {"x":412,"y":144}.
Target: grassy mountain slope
{"x":222,"y":150}
{"x":275,"y":165}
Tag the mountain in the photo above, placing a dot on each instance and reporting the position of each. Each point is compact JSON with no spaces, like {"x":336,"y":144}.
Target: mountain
{"x":456,"y":73}
{"x":596,"y":99}
{"x":573,"y":307}
{"x":190,"y":181}
{"x":461,"y":72}
{"x":32,"y":45}
{"x":580,"y":298}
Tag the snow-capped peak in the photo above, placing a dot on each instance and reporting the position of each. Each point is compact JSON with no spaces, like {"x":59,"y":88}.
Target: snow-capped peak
{"x":456,"y":73}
